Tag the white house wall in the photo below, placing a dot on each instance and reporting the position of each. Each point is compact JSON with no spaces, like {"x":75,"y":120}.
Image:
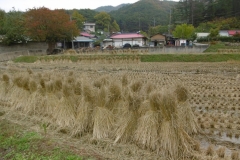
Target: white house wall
{"x":121,"y":42}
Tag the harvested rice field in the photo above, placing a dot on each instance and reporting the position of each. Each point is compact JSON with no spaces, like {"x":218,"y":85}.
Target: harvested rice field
{"x":128,"y":109}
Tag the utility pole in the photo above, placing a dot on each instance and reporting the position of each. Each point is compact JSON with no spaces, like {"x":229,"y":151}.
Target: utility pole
{"x":170,"y":21}
{"x":72,"y":34}
{"x":139,"y":23}
{"x":154,"y":22}
{"x":192,"y":11}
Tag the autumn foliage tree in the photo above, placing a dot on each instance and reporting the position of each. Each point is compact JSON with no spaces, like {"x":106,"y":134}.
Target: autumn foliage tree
{"x":51,"y":26}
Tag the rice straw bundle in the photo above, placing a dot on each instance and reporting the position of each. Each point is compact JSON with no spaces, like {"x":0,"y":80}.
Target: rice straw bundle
{"x":84,"y":112}
{"x":147,"y":89}
{"x":128,"y":121}
{"x":115,"y":95}
{"x":147,"y":133}
{"x":65,"y":112}
{"x":88,"y":93}
{"x":169,"y":135}
{"x":103,"y":119}
{"x":36,"y":102}
{"x":6,"y":84}
{"x":32,"y":85}
{"x":124,"y":80}
{"x":187,"y":118}
{"x":58,"y":84}
{"x":175,"y":142}
{"x":20,"y":91}
{"x":78,"y":88}
{"x":136,"y":86}
{"x":84,"y":119}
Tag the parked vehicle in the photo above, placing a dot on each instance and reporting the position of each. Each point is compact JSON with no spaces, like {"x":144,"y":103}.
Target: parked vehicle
{"x":127,"y":45}
{"x":135,"y":46}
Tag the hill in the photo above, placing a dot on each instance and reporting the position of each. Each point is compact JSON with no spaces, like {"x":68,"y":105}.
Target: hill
{"x":110,"y":8}
{"x":142,"y":14}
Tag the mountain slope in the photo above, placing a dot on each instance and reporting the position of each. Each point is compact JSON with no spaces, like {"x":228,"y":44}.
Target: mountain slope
{"x":110,"y":8}
{"x":142,"y":14}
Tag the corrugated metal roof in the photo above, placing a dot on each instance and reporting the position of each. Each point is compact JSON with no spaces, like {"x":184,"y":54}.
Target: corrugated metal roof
{"x":127,"y":35}
{"x":82,"y":39}
{"x":233,"y":32}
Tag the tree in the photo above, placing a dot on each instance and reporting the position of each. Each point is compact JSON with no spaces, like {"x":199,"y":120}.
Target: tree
{"x":2,"y":20}
{"x":183,"y":31}
{"x":43,"y":24}
{"x":213,"y":33}
{"x":103,"y":20}
{"x":157,"y":29}
{"x":13,"y":27}
{"x":115,"y":27}
{"x":78,"y":18}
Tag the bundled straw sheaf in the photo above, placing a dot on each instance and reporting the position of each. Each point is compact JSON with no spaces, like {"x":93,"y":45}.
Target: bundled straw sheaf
{"x":188,"y":120}
{"x":136,"y":112}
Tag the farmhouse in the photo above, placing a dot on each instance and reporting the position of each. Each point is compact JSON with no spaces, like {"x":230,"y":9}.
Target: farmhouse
{"x":158,"y":39}
{"x":233,"y":32}
{"x":118,"y":40}
{"x":89,"y":27}
{"x":78,"y":42}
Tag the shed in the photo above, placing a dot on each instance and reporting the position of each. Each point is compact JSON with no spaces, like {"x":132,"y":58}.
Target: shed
{"x":223,"y":33}
{"x":202,"y":35}
{"x":82,"y":41}
{"x":107,"y":42}
{"x":158,"y":39}
{"x":233,"y":32}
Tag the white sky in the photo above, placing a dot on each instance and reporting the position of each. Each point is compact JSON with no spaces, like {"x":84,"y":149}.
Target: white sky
{"x":23,"y":5}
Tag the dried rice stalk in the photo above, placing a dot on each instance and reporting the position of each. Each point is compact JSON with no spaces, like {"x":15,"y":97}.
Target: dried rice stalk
{"x":126,"y":127}
{"x":103,"y":123}
{"x":65,"y":112}
{"x":147,"y":133}
{"x":127,"y":124}
{"x":169,"y":140}
{"x":187,"y":118}
{"x":84,"y":120}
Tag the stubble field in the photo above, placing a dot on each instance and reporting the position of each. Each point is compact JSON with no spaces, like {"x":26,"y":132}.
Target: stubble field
{"x":128,"y":109}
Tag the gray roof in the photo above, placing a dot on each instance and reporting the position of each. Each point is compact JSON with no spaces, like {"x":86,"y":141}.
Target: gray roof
{"x":82,"y":39}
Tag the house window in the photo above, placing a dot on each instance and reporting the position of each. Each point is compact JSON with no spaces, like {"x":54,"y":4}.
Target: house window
{"x":91,"y":26}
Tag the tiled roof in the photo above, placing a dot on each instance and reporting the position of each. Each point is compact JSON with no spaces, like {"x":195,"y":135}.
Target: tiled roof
{"x":85,"y":34}
{"x":126,"y":35}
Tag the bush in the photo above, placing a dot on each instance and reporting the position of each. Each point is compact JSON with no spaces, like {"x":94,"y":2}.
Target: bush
{"x":222,"y":39}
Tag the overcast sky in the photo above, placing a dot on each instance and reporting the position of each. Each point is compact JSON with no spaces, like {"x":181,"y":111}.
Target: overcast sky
{"x":23,"y":5}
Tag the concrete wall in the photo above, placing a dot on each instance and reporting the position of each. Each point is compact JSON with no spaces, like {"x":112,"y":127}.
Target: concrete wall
{"x":30,"y":48}
{"x":23,"y":47}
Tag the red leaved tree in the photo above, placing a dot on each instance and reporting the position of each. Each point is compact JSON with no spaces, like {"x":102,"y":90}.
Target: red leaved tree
{"x":51,"y":26}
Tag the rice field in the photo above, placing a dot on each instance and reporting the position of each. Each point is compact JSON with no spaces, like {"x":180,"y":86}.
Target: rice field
{"x":127,"y":109}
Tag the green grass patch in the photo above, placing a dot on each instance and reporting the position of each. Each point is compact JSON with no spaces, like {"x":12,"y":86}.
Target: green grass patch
{"x":144,"y":58}
{"x":219,"y":45}
{"x":26,"y":59}
{"x":17,"y":144}
{"x":190,"y":58}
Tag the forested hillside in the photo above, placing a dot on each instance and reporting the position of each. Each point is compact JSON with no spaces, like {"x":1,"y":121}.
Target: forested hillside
{"x":110,"y":8}
{"x":198,"y":11}
{"x":143,"y":14}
